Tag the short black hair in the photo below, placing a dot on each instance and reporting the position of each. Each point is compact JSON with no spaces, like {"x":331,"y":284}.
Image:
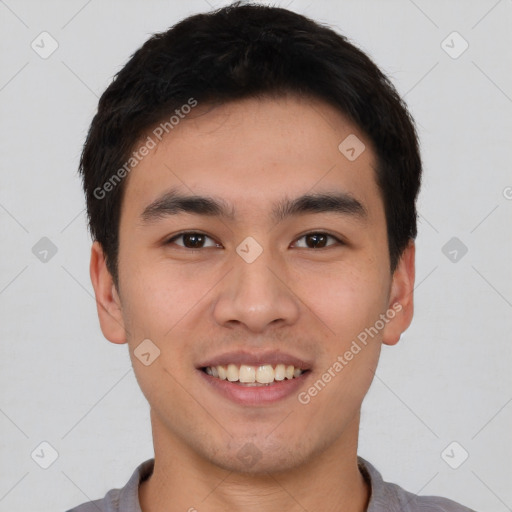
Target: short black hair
{"x":247,"y":51}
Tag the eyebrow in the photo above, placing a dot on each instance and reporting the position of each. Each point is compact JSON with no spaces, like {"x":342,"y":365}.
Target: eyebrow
{"x":173,"y":203}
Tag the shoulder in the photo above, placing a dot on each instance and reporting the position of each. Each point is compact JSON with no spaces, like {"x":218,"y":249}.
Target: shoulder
{"x":389,"y":497}
{"x":413,"y":503}
{"x":110,"y":503}
{"x":125,"y":499}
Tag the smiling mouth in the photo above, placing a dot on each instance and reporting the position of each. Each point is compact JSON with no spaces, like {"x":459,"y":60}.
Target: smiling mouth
{"x":251,"y":375}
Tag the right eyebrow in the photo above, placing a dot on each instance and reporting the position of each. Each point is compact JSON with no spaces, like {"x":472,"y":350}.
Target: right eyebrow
{"x":173,"y":203}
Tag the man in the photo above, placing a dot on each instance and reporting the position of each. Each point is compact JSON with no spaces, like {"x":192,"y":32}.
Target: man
{"x":251,"y":180}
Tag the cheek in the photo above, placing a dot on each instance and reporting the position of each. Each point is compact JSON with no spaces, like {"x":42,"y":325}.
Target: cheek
{"x":351,"y":351}
{"x":351,"y":305}
{"x":347,"y":300}
{"x":160,"y":295}
{"x":156,"y":308}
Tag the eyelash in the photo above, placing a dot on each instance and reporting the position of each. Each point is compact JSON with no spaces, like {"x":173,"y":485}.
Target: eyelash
{"x":183,"y":233}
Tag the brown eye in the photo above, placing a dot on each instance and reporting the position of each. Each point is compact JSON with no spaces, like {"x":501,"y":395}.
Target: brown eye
{"x":191,"y":240}
{"x":318,"y":240}
{"x":196,"y":240}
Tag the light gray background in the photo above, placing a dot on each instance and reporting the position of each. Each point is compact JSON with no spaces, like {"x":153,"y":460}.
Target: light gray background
{"x":447,"y":380}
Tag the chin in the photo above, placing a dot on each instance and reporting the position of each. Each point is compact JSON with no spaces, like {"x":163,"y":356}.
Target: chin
{"x":258,"y":465}
{"x":259,"y":455}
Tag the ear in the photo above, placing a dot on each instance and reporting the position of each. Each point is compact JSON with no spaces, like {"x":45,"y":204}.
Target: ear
{"x":107,"y":299}
{"x":401,"y":300}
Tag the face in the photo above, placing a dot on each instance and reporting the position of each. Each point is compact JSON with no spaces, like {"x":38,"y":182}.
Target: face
{"x":258,"y":279}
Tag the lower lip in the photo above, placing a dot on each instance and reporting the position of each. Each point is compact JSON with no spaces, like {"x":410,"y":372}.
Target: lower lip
{"x":256,"y":395}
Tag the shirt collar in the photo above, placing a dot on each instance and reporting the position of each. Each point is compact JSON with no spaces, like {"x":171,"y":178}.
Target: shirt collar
{"x":383,"y":496}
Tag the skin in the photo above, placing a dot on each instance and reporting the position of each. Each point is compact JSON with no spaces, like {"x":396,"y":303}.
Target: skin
{"x":307,"y":301}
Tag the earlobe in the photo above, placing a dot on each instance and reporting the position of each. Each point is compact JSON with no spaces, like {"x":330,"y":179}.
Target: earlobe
{"x":401,"y":297}
{"x":108,"y":303}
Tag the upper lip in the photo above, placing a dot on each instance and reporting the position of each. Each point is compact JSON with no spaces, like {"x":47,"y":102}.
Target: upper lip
{"x":256,"y":359}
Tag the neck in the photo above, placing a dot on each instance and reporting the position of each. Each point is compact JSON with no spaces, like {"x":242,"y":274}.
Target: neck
{"x":183,"y":481}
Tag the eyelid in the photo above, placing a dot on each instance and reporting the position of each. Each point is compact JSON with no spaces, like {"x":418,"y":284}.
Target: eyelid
{"x":339,"y":240}
{"x":169,"y":241}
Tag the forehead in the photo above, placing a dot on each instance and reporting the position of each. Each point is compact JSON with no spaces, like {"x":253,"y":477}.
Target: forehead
{"x":253,"y":152}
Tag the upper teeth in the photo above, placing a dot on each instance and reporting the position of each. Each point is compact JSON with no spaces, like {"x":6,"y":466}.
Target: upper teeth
{"x":263,"y":374}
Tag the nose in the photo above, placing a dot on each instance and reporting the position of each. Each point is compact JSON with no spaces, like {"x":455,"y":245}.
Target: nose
{"x":256,"y":294}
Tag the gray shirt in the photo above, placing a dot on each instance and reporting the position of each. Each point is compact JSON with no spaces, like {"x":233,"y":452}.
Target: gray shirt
{"x":385,"y":496}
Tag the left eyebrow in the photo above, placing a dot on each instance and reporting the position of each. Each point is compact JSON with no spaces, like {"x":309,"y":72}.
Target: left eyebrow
{"x":173,"y":203}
